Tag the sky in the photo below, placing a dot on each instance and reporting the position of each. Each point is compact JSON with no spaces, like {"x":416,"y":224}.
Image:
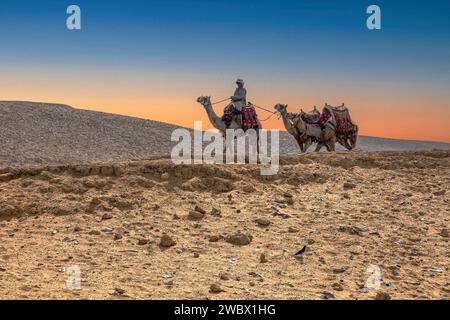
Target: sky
{"x":152,"y":59}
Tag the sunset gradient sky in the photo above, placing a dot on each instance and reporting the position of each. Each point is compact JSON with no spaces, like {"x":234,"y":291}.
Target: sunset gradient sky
{"x":152,"y":59}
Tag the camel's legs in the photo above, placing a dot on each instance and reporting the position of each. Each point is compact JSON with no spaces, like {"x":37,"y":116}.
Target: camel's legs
{"x":319,"y":146}
{"x":308,"y":143}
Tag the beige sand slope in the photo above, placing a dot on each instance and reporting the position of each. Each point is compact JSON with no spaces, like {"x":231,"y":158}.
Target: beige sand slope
{"x":350,"y":210}
{"x":41,"y":133}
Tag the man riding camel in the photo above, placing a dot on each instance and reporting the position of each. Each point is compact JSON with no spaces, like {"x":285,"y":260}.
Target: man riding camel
{"x":238,"y":101}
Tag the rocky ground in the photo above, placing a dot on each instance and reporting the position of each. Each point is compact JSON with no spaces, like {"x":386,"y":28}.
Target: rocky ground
{"x":153,"y":230}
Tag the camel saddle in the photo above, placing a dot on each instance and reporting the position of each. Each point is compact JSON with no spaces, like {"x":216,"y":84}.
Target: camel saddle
{"x":344,"y":122}
{"x":249,"y":117}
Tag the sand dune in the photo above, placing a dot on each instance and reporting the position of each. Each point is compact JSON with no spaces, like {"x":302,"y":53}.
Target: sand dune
{"x":34,"y":134}
{"x":153,"y":230}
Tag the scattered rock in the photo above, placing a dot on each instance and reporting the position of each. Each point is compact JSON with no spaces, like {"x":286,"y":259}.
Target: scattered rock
{"x":382,"y":296}
{"x":328,"y":295}
{"x":175,"y":217}
{"x":142,"y":242}
{"x":165,"y":176}
{"x":94,"y":232}
{"x":77,"y":229}
{"x":167,"y":241}
{"x":439,"y":193}
{"x":248,"y":188}
{"x":340,"y":270}
{"x":119,"y":291}
{"x":199,"y":209}
{"x":213,"y":238}
{"x":215,"y":288}
{"x":168,"y":282}
{"x":444,"y":233}
{"x":262,"y":258}
{"x":196,"y":255}
{"x":352,"y":230}
{"x":337,"y":287}
{"x":215,"y":212}
{"x":349,"y":185}
{"x":107,"y":216}
{"x":195,"y":215}
{"x":224,"y":276}
{"x":292,"y":230}
{"x":118,"y":236}
{"x":263,"y":222}
{"x":238,"y":239}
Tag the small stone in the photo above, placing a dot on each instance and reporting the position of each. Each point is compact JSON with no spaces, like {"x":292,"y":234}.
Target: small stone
{"x":175,"y":217}
{"x":94,"y":232}
{"x":196,"y":255}
{"x":215,"y":288}
{"x":195,"y":215}
{"x":238,"y":239}
{"x":199,"y":209}
{"x":251,"y":283}
{"x":213,"y":238}
{"x":167,"y":241}
{"x":337,"y":287}
{"x":444,"y":233}
{"x":262,"y":258}
{"x":142,"y":242}
{"x":107,"y":216}
{"x":119,"y":291}
{"x":349,"y":185}
{"x":165,"y":176}
{"x":118,"y":236}
{"x":340,"y":270}
{"x":77,"y":229}
{"x":224,"y":276}
{"x":292,"y":230}
{"x":248,"y":188}
{"x":311,"y":241}
{"x":168,"y":282}
{"x":328,"y":295}
{"x":439,"y":193}
{"x":215,"y":212}
{"x":263,"y":222}
{"x":382,"y":296}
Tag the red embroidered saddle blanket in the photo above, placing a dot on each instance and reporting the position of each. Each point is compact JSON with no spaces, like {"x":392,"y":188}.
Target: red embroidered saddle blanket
{"x":344,"y":122}
{"x":249,"y":117}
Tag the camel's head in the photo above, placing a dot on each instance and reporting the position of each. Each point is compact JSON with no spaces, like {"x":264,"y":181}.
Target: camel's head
{"x":281,"y":108}
{"x":204,"y":100}
{"x":353,"y":137}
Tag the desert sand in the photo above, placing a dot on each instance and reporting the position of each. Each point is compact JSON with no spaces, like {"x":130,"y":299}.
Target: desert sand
{"x":150,"y":229}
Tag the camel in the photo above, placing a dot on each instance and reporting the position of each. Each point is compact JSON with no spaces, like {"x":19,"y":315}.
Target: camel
{"x":219,"y":124}
{"x":305,"y":133}
{"x":348,"y":138}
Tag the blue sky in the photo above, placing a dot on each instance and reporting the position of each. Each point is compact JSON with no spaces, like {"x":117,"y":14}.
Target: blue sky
{"x":276,"y":45}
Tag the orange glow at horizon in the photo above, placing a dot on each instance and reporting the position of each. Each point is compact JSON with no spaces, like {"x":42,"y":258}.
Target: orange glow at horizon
{"x":389,"y":115}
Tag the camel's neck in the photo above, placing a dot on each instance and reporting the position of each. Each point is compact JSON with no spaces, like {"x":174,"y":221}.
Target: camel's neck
{"x":213,"y":118}
{"x":287,"y":123}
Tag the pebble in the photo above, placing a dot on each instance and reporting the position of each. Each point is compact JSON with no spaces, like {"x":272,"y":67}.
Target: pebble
{"x":224,"y":276}
{"x":263,"y":222}
{"x":142,"y":242}
{"x":382,"y":296}
{"x":213,"y":238}
{"x":337,"y":287}
{"x":199,"y":209}
{"x":107,"y":216}
{"x":349,"y":185}
{"x":215,"y":288}
{"x":195,"y":215}
{"x":328,"y":295}
{"x":262,"y":258}
{"x":292,"y":230}
{"x":119,"y":291}
{"x":444,"y":233}
{"x":439,"y":193}
{"x":167,"y":241}
{"x":238,"y":239}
